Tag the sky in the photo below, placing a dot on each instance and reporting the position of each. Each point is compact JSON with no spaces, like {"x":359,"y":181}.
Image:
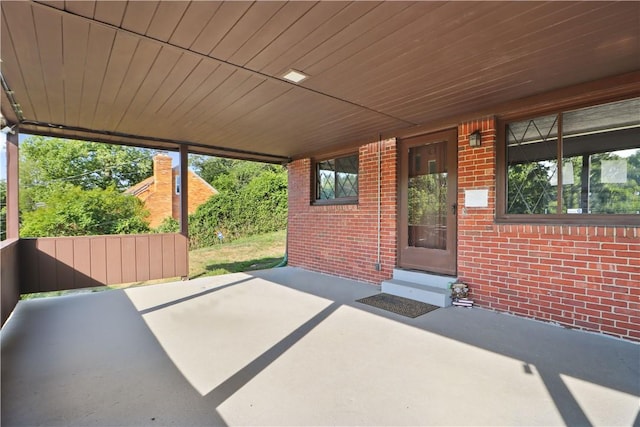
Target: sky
{"x":3,"y":149}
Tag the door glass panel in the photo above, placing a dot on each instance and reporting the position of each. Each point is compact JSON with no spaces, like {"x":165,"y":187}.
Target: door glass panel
{"x":427,"y":196}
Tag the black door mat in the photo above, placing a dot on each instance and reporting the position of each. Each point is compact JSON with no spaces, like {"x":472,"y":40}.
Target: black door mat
{"x":399,"y":305}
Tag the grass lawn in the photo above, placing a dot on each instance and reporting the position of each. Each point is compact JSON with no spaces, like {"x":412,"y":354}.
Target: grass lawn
{"x":245,"y":254}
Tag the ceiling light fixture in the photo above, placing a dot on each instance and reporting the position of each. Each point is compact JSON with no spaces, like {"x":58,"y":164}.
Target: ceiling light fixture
{"x":294,"y":76}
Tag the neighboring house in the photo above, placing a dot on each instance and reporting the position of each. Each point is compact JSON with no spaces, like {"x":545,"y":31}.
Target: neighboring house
{"x":160,"y":193}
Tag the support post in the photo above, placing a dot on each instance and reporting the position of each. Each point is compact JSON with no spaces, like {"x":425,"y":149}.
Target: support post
{"x":184,"y":197}
{"x":13,"y":222}
{"x":184,"y":190}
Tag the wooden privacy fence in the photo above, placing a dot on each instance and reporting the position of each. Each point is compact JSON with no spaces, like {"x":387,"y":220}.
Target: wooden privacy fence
{"x":9,"y":280}
{"x":59,"y":263}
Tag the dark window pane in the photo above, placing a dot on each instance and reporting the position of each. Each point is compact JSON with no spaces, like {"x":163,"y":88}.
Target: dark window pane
{"x":601,"y":173}
{"x":427,"y":197}
{"x":532,"y":166}
{"x":614,"y":183}
{"x":326,"y":180}
{"x":347,"y":177}
{"x":600,"y":162}
{"x":337,"y":178}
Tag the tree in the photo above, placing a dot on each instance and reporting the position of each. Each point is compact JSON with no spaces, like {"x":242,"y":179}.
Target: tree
{"x":228,"y":174}
{"x":70,"y":210}
{"x":73,"y":188}
{"x":46,"y":162}
{"x":258,"y":207}
{"x":168,"y":225}
{"x":209,"y":168}
{"x":252,"y":200}
{"x":614,"y":198}
{"x":529,"y":190}
{"x":263,"y":203}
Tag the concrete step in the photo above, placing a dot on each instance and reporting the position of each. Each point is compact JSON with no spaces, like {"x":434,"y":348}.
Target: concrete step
{"x":423,"y":278}
{"x":435,"y":295}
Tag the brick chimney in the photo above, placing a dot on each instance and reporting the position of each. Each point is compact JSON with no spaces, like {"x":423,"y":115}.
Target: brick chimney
{"x":163,"y":183}
{"x":162,"y":173}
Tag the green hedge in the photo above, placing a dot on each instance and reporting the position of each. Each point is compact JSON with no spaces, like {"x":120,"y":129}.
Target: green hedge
{"x":258,"y":207}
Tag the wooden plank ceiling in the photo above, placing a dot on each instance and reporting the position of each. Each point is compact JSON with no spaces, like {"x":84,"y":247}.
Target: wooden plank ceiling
{"x":210,"y":73}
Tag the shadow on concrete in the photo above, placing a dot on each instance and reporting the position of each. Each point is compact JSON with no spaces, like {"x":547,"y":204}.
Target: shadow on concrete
{"x":190,"y":297}
{"x":553,"y":350}
{"x":241,"y":266}
{"x":234,"y":383}
{"x":92,"y":359}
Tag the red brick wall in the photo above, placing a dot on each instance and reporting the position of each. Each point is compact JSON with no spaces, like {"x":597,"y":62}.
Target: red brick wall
{"x":342,"y":239}
{"x":578,"y":276}
{"x":158,"y":203}
{"x":582,"y":277}
{"x":161,"y":200}
{"x":199,"y":192}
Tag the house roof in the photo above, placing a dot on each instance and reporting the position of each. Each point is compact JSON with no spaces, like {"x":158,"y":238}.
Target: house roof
{"x":146,"y":183}
{"x":140,"y":187}
{"x":176,"y":169}
{"x":210,"y":74}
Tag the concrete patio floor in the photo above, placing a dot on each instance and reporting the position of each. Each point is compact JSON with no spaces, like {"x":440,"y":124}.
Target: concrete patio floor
{"x":291,"y":347}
